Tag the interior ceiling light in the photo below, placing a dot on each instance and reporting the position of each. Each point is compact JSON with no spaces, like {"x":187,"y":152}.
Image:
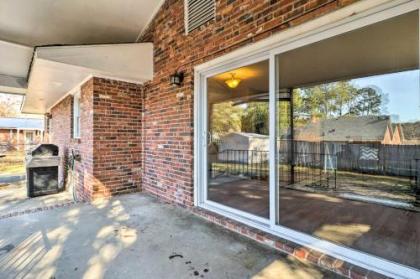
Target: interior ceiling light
{"x":233,"y":82}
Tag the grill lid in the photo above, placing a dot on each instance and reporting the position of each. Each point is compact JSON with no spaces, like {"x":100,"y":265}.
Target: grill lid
{"x":45,"y":150}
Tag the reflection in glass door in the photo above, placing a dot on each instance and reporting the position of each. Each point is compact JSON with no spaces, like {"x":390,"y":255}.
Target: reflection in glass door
{"x":285,"y":144}
{"x":348,"y":139}
{"x":238,"y":139}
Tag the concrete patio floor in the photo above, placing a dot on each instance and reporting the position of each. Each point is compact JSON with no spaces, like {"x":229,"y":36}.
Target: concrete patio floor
{"x":14,"y":198}
{"x":135,"y":236}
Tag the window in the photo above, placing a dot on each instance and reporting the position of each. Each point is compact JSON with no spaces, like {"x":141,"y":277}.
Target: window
{"x":198,"y":12}
{"x":76,"y":115}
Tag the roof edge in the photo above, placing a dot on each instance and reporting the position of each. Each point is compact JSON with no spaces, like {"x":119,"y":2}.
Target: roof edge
{"x":150,"y":20}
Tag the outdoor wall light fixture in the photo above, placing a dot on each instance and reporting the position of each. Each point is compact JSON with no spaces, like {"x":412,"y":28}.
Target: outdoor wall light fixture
{"x":177,"y":78}
{"x":233,"y":82}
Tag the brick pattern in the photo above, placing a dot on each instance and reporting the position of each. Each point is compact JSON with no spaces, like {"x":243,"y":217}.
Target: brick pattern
{"x":167,"y":134}
{"x":110,"y":138}
{"x":168,"y":110}
{"x":144,"y":135}
{"x":117,"y":127}
{"x":61,"y":134}
{"x":302,"y":253}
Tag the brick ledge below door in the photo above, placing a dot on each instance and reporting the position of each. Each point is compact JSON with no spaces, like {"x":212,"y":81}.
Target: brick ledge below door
{"x":300,"y":252}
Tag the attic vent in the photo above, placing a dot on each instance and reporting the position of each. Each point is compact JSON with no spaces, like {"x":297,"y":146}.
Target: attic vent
{"x":198,"y":12}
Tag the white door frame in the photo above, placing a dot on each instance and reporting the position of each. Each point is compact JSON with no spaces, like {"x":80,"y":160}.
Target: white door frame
{"x":346,"y":19}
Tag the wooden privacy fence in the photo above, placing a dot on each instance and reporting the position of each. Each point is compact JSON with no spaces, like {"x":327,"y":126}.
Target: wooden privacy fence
{"x":308,"y":159}
{"x":373,"y":158}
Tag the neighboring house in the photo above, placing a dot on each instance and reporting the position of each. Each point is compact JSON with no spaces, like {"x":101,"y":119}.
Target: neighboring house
{"x":137,"y":114}
{"x":20,"y":133}
{"x":351,"y":129}
{"x":348,"y":139}
{"x":411,"y":133}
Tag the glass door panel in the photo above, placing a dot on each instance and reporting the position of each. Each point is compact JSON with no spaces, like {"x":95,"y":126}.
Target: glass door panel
{"x":238,"y":139}
{"x":348,"y":139}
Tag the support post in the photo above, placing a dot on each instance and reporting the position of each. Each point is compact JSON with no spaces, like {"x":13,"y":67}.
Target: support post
{"x":417,"y":182}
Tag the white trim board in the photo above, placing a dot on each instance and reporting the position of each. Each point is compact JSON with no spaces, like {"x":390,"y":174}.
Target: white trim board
{"x":353,"y":17}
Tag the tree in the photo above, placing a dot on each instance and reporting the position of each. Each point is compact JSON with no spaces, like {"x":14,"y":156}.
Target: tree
{"x":283,"y":118}
{"x":367,"y":101}
{"x":225,"y":118}
{"x":323,"y":101}
{"x":345,"y":92}
{"x":9,"y":105}
{"x":255,"y":119}
{"x":337,"y":99}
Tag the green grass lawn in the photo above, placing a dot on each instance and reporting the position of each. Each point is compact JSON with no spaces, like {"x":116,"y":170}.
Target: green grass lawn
{"x":13,"y":163}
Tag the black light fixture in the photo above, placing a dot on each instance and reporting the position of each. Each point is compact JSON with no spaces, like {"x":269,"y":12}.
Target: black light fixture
{"x":177,"y":78}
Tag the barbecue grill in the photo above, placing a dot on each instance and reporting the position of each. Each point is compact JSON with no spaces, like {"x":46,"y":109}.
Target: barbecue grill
{"x":42,"y":164}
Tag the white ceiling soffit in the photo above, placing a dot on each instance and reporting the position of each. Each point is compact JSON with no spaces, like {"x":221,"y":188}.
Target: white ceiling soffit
{"x":75,"y":22}
{"x":25,"y":24}
{"x":12,"y":85}
{"x":57,"y":70}
{"x":15,"y":60}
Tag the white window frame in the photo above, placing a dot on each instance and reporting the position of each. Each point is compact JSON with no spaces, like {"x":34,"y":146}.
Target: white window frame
{"x":353,"y":17}
{"x":76,"y":115}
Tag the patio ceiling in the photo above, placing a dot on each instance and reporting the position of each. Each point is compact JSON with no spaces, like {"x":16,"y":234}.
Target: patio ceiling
{"x":56,"y":71}
{"x":385,"y":47}
{"x":25,"y":25}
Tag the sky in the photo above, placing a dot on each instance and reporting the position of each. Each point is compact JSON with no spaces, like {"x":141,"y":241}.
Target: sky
{"x":403,"y":91}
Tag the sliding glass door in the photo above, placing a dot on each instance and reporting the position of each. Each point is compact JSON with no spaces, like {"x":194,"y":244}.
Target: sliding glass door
{"x":348,"y":139}
{"x":319,"y":140}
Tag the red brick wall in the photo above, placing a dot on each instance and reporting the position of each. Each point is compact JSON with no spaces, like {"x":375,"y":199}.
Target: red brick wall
{"x":61,"y":134}
{"x":110,"y":137}
{"x":117,"y":125}
{"x":5,"y":135}
{"x":6,"y":138}
{"x":117,"y":139}
{"x":168,"y":120}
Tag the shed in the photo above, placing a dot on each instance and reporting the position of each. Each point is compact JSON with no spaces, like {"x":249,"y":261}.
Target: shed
{"x":239,"y":147}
